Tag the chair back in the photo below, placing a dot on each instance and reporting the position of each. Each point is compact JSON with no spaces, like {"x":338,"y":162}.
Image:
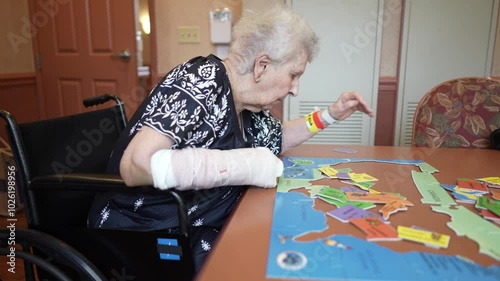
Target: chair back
{"x":79,"y":143}
{"x":461,"y":112}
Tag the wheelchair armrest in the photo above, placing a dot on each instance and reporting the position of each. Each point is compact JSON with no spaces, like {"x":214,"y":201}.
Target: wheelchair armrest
{"x":106,"y":183}
{"x":88,"y":182}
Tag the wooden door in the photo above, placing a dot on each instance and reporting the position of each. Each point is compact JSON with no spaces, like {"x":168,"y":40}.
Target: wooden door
{"x":78,"y":46}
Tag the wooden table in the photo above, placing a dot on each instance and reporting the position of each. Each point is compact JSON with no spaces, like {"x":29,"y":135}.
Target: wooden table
{"x":242,"y":250}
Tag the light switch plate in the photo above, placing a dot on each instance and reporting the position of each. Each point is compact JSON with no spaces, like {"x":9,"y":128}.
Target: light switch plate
{"x":188,"y":34}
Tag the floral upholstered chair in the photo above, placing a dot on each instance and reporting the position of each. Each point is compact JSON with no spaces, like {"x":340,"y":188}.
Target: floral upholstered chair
{"x":458,"y":113}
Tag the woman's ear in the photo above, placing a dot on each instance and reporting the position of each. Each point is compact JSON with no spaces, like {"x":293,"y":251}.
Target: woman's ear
{"x":261,"y":63}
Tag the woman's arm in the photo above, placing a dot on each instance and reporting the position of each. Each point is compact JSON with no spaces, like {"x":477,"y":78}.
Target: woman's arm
{"x":296,"y":131}
{"x":135,"y":165}
{"x":148,"y":160}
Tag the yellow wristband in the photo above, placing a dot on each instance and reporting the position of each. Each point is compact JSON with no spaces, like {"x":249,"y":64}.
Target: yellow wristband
{"x":310,"y":123}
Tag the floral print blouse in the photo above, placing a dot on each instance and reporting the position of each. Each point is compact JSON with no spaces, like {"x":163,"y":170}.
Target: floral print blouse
{"x":193,"y":104}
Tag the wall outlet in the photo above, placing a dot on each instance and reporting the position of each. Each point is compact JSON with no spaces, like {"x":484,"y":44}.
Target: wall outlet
{"x":188,"y":34}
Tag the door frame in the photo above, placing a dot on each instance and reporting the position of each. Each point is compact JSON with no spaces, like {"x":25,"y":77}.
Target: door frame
{"x":371,"y":123}
{"x":152,"y":43}
{"x":36,"y":50}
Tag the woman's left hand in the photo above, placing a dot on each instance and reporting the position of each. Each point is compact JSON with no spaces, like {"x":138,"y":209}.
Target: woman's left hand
{"x":347,"y":104}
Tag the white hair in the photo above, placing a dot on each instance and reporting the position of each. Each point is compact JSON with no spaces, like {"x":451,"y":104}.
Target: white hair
{"x":278,"y":31}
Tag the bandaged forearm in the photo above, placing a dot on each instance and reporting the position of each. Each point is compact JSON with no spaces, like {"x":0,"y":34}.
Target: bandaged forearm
{"x":201,"y":168}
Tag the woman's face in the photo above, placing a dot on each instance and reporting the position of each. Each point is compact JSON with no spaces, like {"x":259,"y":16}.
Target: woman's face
{"x":276,"y":82}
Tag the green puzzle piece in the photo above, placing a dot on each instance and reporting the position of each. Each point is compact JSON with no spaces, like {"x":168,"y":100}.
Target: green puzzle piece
{"x":363,"y":184}
{"x":338,"y":198}
{"x":302,"y":162}
{"x":315,"y":189}
{"x":490,"y":204}
{"x":431,"y":190}
{"x":424,"y":167}
{"x":285,"y":185}
{"x":361,"y":205}
{"x":333,"y":193}
{"x":345,"y":170}
{"x":483,"y":232}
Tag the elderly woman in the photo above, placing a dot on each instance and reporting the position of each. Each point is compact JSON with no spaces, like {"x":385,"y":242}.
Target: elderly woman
{"x":206,"y":130}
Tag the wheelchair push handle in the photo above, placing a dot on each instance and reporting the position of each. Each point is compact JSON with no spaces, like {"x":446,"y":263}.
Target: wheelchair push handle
{"x":100,"y":100}
{"x":97,"y":100}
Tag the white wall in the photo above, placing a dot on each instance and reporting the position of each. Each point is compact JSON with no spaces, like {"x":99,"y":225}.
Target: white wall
{"x":442,"y":40}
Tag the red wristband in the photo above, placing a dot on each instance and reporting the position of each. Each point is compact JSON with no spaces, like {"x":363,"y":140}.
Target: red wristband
{"x":317,"y":120}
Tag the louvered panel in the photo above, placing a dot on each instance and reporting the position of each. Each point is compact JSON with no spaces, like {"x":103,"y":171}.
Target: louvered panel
{"x":349,"y":131}
{"x":411,"y":107}
{"x":306,"y":107}
{"x":342,"y":65}
{"x":337,"y":135}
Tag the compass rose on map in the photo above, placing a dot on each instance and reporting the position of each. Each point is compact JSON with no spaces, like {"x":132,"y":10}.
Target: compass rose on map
{"x":291,"y":260}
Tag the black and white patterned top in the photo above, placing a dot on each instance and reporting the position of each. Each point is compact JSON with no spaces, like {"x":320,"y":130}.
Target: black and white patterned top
{"x":193,"y":105}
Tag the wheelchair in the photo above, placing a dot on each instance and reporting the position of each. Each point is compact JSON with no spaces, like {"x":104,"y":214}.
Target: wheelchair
{"x":61,"y":165}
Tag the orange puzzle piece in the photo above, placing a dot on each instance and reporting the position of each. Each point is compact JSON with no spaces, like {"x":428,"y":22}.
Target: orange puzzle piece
{"x":375,"y":198}
{"x":392,"y":207}
{"x":375,"y":229}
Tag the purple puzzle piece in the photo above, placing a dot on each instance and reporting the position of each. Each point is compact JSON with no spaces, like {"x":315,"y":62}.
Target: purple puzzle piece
{"x":351,"y":189}
{"x":343,"y":176}
{"x":347,"y":212}
{"x":345,"y":150}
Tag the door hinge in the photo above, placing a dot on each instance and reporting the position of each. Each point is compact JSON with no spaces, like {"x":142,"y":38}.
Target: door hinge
{"x":38,"y":61}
